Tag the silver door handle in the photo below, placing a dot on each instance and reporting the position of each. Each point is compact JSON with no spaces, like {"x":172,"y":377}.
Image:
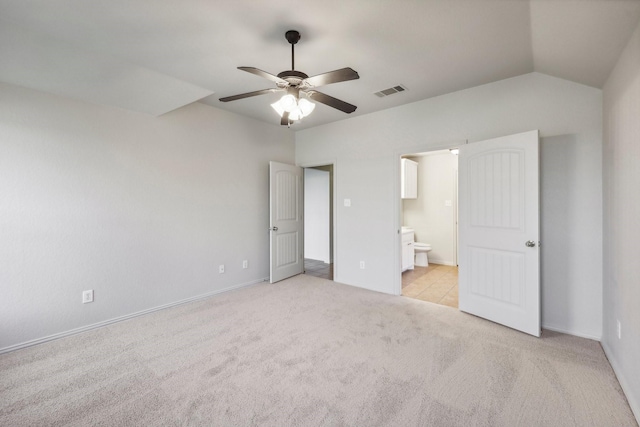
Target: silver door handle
{"x":530,"y":244}
{"x":274,"y":229}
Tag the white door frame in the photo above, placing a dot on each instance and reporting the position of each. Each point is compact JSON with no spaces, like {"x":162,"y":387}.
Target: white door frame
{"x":334,"y":163}
{"x":456,"y":229}
{"x":397,"y":251}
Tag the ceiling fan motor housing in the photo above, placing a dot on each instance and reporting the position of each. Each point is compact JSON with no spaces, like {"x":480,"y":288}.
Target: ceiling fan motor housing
{"x":292,"y":36}
{"x":293,"y":77}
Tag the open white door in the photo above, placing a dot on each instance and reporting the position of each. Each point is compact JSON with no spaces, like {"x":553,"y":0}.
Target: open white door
{"x":286,"y":219}
{"x":499,"y":231}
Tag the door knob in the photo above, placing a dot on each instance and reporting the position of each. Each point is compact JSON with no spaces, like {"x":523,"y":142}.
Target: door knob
{"x":530,"y":244}
{"x":274,"y":229}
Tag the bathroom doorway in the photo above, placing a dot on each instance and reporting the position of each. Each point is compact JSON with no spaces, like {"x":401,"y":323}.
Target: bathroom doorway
{"x":318,"y":221}
{"x":429,"y":219}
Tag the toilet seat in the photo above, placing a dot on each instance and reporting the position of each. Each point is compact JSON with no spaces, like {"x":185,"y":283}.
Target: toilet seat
{"x":422,"y":246}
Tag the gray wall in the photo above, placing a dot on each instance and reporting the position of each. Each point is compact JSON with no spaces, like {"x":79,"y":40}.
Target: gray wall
{"x":622,"y":220}
{"x":569,"y":117}
{"x":140,"y":209}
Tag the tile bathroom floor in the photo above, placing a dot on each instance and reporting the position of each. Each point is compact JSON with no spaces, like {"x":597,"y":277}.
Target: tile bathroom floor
{"x":317,"y":268}
{"x":435,"y":283}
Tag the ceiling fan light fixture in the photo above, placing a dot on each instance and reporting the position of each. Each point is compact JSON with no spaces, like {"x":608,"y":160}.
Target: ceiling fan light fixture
{"x":296,"y":109}
{"x":306,"y":106}
{"x":276,"y":106}
{"x":288,"y":103}
{"x":296,"y":114}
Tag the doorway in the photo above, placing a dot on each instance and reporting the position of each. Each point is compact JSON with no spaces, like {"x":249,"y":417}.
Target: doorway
{"x":429,"y":220}
{"x":499,"y":230}
{"x":318,"y":221}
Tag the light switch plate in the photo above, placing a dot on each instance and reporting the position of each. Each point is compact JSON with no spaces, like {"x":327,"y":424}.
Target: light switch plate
{"x":347,"y":202}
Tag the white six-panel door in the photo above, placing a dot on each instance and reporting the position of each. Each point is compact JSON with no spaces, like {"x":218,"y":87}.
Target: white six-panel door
{"x":286,"y":219}
{"x":499,"y":267}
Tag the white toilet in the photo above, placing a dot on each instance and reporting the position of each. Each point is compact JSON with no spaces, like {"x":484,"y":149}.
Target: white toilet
{"x":421,"y":250}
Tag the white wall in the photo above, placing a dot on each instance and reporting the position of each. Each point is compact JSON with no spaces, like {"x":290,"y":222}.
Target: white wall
{"x":621,"y":220}
{"x":140,"y":209}
{"x":569,"y":117}
{"x":434,"y":222}
{"x":316,"y":215}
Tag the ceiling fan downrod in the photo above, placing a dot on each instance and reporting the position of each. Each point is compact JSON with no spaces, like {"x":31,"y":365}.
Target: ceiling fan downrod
{"x":292,"y":37}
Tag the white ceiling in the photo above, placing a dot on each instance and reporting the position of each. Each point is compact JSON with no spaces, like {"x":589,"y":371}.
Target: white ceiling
{"x":154,"y":56}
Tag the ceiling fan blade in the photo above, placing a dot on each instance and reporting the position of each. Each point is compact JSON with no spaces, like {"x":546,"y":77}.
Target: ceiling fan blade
{"x":341,"y":75}
{"x":284,"y":121}
{"x":248,"y":94}
{"x":264,"y":74}
{"x":331,"y":101}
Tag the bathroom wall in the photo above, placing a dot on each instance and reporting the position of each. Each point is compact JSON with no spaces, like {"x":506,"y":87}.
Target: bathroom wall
{"x":432,"y":218}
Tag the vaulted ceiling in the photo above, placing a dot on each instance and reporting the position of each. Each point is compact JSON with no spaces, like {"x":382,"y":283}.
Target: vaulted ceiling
{"x":154,"y":56}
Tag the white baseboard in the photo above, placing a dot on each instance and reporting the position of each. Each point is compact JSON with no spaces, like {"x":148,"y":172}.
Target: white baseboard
{"x":440,"y":261}
{"x":126,"y":317}
{"x":574,"y":333}
{"x":633,"y":401}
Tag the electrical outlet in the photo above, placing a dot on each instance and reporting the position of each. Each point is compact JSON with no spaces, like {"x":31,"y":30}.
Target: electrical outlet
{"x":221,"y":269}
{"x":619,"y":330}
{"x":245,"y":264}
{"x":87,"y":296}
{"x":362,"y":265}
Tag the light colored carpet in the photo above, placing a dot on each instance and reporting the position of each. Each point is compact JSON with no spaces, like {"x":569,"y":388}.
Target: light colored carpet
{"x":309,"y":352}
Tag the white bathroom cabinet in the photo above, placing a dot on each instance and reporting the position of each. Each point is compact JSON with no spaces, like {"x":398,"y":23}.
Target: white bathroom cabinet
{"x":409,"y":179}
{"x":408,"y":252}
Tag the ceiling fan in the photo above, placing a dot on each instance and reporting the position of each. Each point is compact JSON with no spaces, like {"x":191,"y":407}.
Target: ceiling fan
{"x":291,"y":106}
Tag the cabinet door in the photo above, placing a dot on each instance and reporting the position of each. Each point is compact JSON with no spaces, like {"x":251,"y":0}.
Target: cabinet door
{"x":407,"y":256}
{"x":407,"y":251}
{"x":409,"y":179}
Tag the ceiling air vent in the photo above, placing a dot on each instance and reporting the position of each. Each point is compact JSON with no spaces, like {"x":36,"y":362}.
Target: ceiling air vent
{"x":390,"y":91}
